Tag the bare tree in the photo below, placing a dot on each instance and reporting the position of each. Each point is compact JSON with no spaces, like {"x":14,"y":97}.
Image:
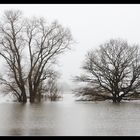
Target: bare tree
{"x":11,"y":46}
{"x":45,"y":43}
{"x":48,"y":86}
{"x":113,"y":70}
{"x":41,"y":42}
{"x":53,"y":91}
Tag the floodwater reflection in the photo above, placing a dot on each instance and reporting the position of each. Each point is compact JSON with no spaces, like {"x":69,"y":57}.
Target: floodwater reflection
{"x":70,"y":118}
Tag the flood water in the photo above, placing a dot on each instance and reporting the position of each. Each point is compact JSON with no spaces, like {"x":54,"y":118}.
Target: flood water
{"x":70,"y":118}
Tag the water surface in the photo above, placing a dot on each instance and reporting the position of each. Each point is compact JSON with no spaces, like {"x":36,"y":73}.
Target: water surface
{"x":70,"y":118}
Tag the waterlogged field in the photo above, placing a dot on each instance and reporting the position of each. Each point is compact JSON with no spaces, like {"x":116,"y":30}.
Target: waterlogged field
{"x":70,"y":118}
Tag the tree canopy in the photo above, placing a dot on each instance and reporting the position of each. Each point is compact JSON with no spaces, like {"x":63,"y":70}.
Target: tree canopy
{"x":37,"y":41}
{"x":113,"y":70}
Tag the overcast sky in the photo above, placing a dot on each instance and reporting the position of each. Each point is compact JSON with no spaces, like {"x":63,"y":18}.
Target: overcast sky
{"x":90,"y":25}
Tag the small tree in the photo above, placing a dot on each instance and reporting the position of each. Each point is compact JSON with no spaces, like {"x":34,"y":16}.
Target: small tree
{"x":52,"y":89}
{"x":48,"y":87}
{"x":113,"y":69}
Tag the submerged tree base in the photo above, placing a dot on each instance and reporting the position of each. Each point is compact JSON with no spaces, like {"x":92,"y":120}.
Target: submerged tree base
{"x":100,"y":98}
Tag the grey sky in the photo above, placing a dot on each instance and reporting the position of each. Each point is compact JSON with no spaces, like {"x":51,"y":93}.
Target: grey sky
{"x":90,"y":24}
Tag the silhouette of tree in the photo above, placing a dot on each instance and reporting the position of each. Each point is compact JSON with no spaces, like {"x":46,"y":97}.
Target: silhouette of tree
{"x":113,"y":70}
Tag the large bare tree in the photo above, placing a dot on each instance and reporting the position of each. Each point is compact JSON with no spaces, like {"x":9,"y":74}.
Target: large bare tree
{"x":113,"y":70}
{"x":41,"y":41}
{"x":11,"y":46}
{"x":45,"y":43}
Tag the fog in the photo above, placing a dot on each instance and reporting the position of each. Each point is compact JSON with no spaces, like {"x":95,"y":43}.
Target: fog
{"x":90,"y":25}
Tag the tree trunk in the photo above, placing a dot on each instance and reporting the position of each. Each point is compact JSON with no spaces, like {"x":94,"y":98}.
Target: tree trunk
{"x":19,"y":99}
{"x":39,"y":97}
{"x":32,"y":98}
{"x":119,"y":99}
{"x":114,"y":98}
{"x":31,"y":92}
{"x":23,"y":95}
{"x":24,"y":98}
